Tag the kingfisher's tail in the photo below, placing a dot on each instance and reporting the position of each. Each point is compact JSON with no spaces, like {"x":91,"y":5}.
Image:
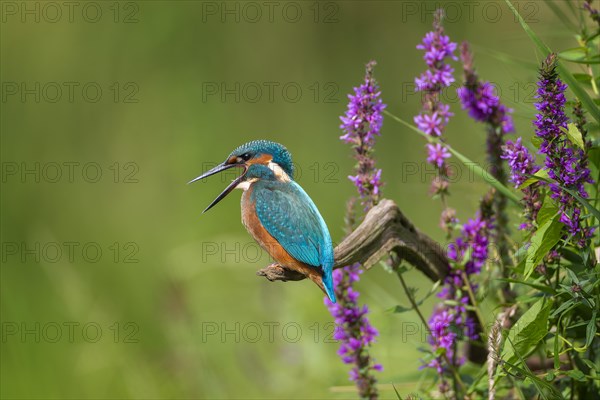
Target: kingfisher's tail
{"x":328,"y":285}
{"x":324,"y":281}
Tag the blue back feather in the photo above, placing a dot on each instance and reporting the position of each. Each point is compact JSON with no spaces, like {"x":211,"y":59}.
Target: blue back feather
{"x":291,"y":217}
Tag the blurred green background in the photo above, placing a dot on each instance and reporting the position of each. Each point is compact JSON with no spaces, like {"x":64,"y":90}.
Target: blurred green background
{"x":109,"y":108}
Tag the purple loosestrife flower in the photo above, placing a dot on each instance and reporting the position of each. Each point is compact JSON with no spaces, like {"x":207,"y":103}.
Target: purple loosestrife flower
{"x":473,"y":238}
{"x":442,"y":335}
{"x":435,"y":115}
{"x":566,"y":164}
{"x":520,"y":161}
{"x":437,"y":154}
{"x":437,"y":47}
{"x":430,"y":124}
{"x":361,"y":124}
{"x":522,"y":165}
{"x":354,"y":330}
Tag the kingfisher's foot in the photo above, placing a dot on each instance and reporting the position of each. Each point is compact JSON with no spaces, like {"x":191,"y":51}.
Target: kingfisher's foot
{"x":277,"y":272}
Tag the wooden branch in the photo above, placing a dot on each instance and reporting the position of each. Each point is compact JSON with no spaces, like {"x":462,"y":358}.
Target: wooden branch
{"x":385,"y":229}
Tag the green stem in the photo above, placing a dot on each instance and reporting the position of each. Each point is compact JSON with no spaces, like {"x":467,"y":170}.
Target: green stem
{"x":411,"y":299}
{"x":415,"y":306}
{"x":474,"y":303}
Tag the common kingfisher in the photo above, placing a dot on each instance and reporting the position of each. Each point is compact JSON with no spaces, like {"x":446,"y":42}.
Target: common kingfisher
{"x":277,"y":212}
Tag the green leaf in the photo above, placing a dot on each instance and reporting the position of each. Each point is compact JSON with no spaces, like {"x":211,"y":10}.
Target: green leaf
{"x":576,"y":54}
{"x":542,"y":241}
{"x":537,"y":141}
{"x":565,"y":74}
{"x":583,"y":78}
{"x":400,"y":309}
{"x":527,"y":331}
{"x":574,"y":278}
{"x":542,"y":173}
{"x":485,"y":175}
{"x":577,"y":375}
{"x":590,"y":364}
{"x":440,"y":352}
{"x":575,"y":136}
{"x":564,"y":307}
{"x":587,"y":61}
{"x":590,"y":331}
{"x":548,"y":210}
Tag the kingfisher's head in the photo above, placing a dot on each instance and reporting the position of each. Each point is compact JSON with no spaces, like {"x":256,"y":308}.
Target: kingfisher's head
{"x":258,"y":159}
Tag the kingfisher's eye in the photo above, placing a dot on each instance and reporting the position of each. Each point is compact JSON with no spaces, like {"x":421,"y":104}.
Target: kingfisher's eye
{"x":246,"y":156}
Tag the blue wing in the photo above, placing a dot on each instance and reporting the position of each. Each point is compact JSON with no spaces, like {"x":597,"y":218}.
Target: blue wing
{"x":291,"y":217}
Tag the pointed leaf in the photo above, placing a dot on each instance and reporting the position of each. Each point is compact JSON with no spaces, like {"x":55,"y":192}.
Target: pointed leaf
{"x":575,"y":54}
{"x":542,"y":173}
{"x":577,"y":375}
{"x":400,"y":309}
{"x":547,"y":211}
{"x":575,"y":136}
{"x":527,"y":331}
{"x":542,"y":242}
{"x":590,"y":330}
{"x":583,"y":78}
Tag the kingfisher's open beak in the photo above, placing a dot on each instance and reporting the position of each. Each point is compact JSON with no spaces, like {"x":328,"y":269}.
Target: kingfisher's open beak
{"x":228,"y":189}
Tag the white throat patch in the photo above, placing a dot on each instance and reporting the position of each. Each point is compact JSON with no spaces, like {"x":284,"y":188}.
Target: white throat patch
{"x":245,"y":185}
{"x":280,"y":174}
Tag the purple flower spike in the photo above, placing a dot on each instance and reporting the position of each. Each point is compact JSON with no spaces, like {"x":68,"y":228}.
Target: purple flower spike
{"x":363,"y":118}
{"x":566,"y":164}
{"x":522,"y":165}
{"x":361,"y":125}
{"x":437,"y":47}
{"x":435,"y":114}
{"x":354,"y":330}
